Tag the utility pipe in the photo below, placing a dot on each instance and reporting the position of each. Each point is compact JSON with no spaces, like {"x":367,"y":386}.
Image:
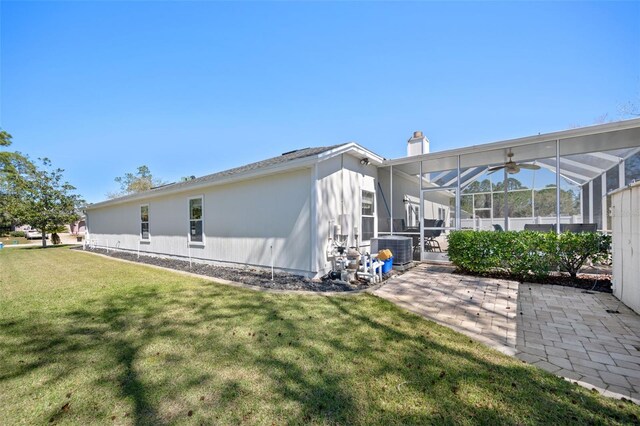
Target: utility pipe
{"x":189,"y":250}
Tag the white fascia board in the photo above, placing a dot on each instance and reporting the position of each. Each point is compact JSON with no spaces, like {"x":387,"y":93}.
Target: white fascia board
{"x":528,"y":140}
{"x":374,"y":158}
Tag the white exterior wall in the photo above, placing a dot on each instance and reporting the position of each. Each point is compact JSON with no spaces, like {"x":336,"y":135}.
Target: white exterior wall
{"x":340,"y":181}
{"x":625,"y":222}
{"x":241,"y":221}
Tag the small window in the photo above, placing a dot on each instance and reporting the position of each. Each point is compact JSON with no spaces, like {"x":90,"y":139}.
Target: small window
{"x":144,"y":222}
{"x":195,"y":220}
{"x":368,"y":219}
{"x":413,"y":215}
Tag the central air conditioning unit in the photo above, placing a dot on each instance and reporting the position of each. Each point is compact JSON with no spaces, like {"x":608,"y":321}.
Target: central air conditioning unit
{"x":401,"y":248}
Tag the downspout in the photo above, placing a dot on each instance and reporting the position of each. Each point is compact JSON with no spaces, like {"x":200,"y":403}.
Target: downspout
{"x":384,"y":199}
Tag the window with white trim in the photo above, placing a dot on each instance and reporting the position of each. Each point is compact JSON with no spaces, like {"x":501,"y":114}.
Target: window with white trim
{"x":144,"y":222}
{"x":195,"y":220}
{"x":413,"y":215}
{"x":368,"y":218}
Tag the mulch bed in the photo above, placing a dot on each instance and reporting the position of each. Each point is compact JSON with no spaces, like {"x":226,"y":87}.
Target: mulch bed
{"x":591,"y":280}
{"x":255,"y":277}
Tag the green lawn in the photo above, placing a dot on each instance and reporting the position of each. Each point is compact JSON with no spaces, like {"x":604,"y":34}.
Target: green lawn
{"x":8,"y":240}
{"x":85,"y":339}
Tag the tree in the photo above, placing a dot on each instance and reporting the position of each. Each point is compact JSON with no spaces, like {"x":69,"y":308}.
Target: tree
{"x":519,"y":199}
{"x":5,"y":138}
{"x":546,"y":201}
{"x":49,"y":201}
{"x":14,"y":171}
{"x":482,"y":199}
{"x":132,"y":183}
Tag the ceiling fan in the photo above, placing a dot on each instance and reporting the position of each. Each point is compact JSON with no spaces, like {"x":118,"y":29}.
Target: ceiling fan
{"x":512,"y":167}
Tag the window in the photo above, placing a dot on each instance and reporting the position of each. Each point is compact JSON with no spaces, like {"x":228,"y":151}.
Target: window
{"x":144,"y":222}
{"x":195,"y":220}
{"x":368,"y":219}
{"x":413,"y":215}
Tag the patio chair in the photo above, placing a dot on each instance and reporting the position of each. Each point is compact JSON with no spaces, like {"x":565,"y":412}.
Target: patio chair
{"x":430,"y":235}
{"x":539,"y":227}
{"x":578,"y":228}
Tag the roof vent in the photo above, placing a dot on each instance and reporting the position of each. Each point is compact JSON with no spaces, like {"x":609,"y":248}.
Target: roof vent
{"x":295,"y":150}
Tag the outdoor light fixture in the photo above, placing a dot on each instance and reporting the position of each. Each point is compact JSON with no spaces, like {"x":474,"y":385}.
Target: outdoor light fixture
{"x":364,"y":161}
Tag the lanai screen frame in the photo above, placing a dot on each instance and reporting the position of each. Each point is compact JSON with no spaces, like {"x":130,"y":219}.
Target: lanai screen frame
{"x":592,"y":140}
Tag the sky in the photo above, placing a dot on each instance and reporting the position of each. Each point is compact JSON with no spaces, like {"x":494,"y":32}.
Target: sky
{"x":191,"y":88}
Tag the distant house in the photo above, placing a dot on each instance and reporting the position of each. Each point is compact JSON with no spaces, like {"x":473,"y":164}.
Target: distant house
{"x":78,"y":227}
{"x":280,"y":211}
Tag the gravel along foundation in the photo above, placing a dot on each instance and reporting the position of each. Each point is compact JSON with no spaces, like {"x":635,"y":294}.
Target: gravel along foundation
{"x":250,"y":276}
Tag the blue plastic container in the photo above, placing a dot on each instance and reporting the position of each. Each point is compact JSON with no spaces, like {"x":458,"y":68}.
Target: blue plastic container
{"x":387,"y":266}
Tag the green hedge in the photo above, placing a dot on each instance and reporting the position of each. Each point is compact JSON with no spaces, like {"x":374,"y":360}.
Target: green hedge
{"x":525,"y":254}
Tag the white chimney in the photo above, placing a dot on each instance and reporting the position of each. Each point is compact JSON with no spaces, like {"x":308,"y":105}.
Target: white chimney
{"x":418,"y":144}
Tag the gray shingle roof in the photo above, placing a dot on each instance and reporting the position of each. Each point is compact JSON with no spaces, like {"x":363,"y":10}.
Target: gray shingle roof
{"x":281,"y":159}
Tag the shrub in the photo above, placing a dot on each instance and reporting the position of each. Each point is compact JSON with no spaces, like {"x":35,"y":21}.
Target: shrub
{"x":520,"y":254}
{"x":476,"y":252}
{"x":529,"y":253}
{"x":55,"y":238}
{"x":524,"y":254}
{"x":573,"y":250}
{"x":17,"y":234}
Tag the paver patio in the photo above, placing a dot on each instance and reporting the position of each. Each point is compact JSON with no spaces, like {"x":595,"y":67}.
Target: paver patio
{"x":563,"y":330}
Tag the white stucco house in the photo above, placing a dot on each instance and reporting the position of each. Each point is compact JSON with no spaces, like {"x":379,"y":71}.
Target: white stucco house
{"x":280,"y":210}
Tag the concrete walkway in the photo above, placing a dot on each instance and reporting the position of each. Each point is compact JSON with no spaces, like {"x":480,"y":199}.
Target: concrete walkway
{"x":560,"y":329}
